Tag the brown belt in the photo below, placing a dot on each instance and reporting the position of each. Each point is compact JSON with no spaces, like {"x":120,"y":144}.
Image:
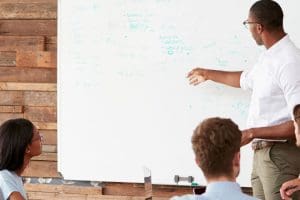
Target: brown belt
{"x":260,"y":144}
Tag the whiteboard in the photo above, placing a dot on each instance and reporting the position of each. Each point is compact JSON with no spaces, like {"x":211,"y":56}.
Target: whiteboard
{"x":124,"y":102}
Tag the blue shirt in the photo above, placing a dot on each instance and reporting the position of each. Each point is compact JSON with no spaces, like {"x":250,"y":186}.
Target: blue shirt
{"x":219,"y":191}
{"x":10,"y":182}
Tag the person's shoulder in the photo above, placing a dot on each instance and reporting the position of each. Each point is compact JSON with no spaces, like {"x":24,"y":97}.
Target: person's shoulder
{"x":5,"y":173}
{"x":6,"y":176}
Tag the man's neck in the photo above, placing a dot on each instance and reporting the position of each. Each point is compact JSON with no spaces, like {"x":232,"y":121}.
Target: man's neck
{"x":221,"y":179}
{"x":271,"y":38}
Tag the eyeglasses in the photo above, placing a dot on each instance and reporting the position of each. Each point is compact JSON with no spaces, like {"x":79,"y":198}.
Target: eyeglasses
{"x":40,"y":137}
{"x":246,"y":23}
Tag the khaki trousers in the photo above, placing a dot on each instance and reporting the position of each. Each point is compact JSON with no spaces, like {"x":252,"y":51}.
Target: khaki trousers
{"x":272,"y":166}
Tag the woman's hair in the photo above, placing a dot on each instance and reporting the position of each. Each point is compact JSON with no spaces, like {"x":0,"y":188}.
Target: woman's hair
{"x":15,"y":136}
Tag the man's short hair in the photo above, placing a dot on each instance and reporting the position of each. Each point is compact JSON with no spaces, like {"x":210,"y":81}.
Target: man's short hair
{"x":215,"y":142}
{"x":296,"y":113}
{"x":268,"y":13}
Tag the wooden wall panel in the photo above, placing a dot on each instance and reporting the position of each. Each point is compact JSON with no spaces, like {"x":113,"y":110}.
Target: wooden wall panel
{"x":35,"y":191}
{"x":37,"y":98}
{"x":11,"y":109}
{"x":40,"y":114}
{"x":22,"y":43}
{"x":22,"y":10}
{"x":49,"y":148}
{"x":46,"y":156}
{"x":46,"y":125}
{"x":28,"y":27}
{"x":46,"y":59}
{"x":51,"y":44}
{"x":66,"y":189}
{"x":28,"y":86}
{"x":50,"y":136}
{"x":29,"y":1}
{"x":6,"y":116}
{"x":11,"y":98}
{"x":14,"y":74}
{"x":41,"y":169}
{"x":7,"y":58}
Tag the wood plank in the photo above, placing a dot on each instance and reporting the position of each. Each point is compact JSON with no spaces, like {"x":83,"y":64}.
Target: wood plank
{"x":45,"y":59}
{"x":46,"y":156}
{"x":7,"y":116}
{"x":38,"y":10}
{"x":63,"y":196}
{"x":51,"y":43}
{"x":165,"y":190}
{"x":40,"y":114}
{"x":11,"y":98}
{"x":41,"y":195}
{"x":25,"y":43}
{"x":50,"y":148}
{"x":46,"y":125}
{"x":50,"y":136}
{"x":11,"y":109}
{"x":36,"y":98}
{"x":28,"y":27}
{"x":54,"y":196}
{"x":82,"y":190}
{"x":62,"y":188}
{"x":133,"y":189}
{"x":7,"y":58}
{"x":41,"y":169}
{"x":14,"y":74}
{"x":28,"y":1}
{"x":28,"y":86}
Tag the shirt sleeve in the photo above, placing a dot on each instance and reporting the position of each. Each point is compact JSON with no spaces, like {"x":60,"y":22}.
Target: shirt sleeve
{"x":246,"y":80}
{"x":289,"y":80}
{"x":7,"y":186}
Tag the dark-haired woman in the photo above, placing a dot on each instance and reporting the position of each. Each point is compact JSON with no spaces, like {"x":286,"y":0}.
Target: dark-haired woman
{"x":19,"y":142}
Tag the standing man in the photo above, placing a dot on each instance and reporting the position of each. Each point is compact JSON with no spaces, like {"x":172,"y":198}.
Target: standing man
{"x":275,"y":85}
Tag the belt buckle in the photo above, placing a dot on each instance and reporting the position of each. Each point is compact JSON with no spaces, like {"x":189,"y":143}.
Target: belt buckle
{"x":261,"y":144}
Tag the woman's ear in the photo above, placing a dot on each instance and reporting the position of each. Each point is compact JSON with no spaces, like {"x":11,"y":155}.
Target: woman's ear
{"x":27,"y":149}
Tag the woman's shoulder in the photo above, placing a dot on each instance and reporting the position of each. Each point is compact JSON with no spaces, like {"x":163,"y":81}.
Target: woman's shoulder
{"x":5,"y":172}
{"x":6,"y":175}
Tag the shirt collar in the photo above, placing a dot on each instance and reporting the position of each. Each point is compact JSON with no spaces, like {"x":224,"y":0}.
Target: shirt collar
{"x":222,"y":186}
{"x":278,"y":45}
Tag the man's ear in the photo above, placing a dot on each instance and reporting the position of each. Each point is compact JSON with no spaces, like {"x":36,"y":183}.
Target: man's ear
{"x":236,"y":159}
{"x":259,"y":28}
{"x":197,"y":162}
